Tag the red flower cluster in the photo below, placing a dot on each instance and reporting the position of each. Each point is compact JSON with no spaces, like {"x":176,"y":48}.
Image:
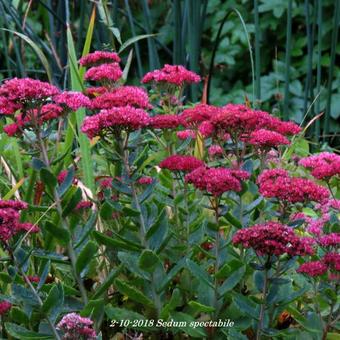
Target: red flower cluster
{"x":324,"y":165}
{"x":215,"y":150}
{"x":99,"y":57}
{"x":181,"y":163}
{"x":273,"y":238}
{"x":38,"y":102}
{"x":72,"y":100}
{"x":145,"y":180}
{"x":83,"y":205}
{"x":104,"y":72}
{"x":313,"y":268}
{"x":5,"y":306}
{"x":24,"y":93}
{"x":10,"y":224}
{"x":333,"y":261}
{"x":263,"y":138}
{"x":122,"y":96}
{"x":330,"y":240}
{"x":217,"y":180}
{"x":276,"y":183}
{"x":238,"y":119}
{"x":164,"y":122}
{"x":185,"y":134}
{"x":330,"y":261}
{"x":193,"y":116}
{"x":115,"y":119}
{"x":172,"y":74}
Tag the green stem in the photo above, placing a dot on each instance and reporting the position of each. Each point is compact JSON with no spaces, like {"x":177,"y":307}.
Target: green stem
{"x":187,"y":224}
{"x":70,"y":249}
{"x":217,"y":254}
{"x":263,"y":304}
{"x":125,"y":155}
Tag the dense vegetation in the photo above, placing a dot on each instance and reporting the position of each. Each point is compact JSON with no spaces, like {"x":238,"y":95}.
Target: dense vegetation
{"x":147,"y":201}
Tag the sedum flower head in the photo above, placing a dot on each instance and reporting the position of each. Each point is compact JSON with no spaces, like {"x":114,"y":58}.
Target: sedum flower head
{"x":216,"y":181}
{"x":273,"y":238}
{"x":181,"y":163}
{"x":172,"y":74}
{"x":118,"y":118}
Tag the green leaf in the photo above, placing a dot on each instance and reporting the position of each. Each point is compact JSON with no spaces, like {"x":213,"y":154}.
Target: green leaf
{"x":86,"y":255}
{"x":188,"y":325}
{"x":161,"y":219}
{"x":133,"y":293}
{"x":48,"y":178}
{"x":19,"y":316}
{"x":72,"y":203}
{"x":133,"y":40}
{"x":232,"y":220}
{"x":114,"y":243}
{"x":174,"y":302}
{"x":199,"y":308}
{"x":22,"y":333}
{"x":54,"y":300}
{"x":114,"y":313}
{"x":107,"y":282}
{"x":245,"y":305}
{"x":232,"y":280}
{"x":127,"y":66}
{"x":148,"y":260}
{"x":44,"y":274}
{"x":199,"y":273}
{"x":77,"y":85}
{"x":60,"y":233}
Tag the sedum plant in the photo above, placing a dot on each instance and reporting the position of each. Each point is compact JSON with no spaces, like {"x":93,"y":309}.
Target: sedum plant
{"x":206,"y":222}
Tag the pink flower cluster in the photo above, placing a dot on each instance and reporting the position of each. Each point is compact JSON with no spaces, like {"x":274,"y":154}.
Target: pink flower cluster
{"x":323,"y":165}
{"x":145,"y":180}
{"x":38,"y":102}
{"x":83,"y":205}
{"x":216,"y":181}
{"x":330,"y":261}
{"x":181,"y":163}
{"x":263,"y":138}
{"x":238,"y":120}
{"x":72,"y":100}
{"x":215,"y":150}
{"x":185,"y":134}
{"x":76,"y":327}
{"x":122,"y":96}
{"x":24,"y":93}
{"x":273,"y":238}
{"x":99,"y":57}
{"x":172,"y":74}
{"x":115,"y":119}
{"x":240,"y":123}
{"x":193,"y":116}
{"x":330,"y":240}
{"x":164,"y":122}
{"x":10,"y":224}
{"x":104,"y":72}
{"x":313,"y":268}
{"x":276,"y":183}
{"x":5,"y":306}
